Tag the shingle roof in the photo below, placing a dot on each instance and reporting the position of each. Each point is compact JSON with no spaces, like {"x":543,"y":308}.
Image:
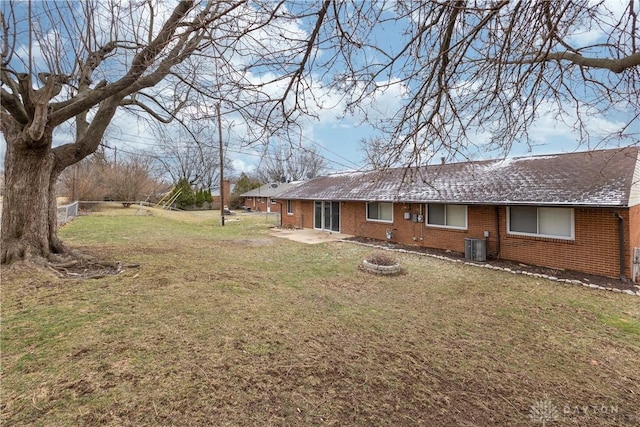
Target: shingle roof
{"x":271,"y":190}
{"x":594,"y":178}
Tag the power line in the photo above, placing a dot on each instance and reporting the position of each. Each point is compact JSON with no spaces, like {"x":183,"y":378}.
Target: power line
{"x":351,"y":164}
{"x":316,"y":143}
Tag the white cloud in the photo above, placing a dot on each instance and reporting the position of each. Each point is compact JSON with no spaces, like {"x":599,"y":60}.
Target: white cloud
{"x":552,"y":127}
{"x":610,"y":13}
{"x":240,"y":165}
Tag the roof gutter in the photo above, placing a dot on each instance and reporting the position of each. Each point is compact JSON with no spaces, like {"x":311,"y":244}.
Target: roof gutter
{"x":623,"y":275}
{"x":459,"y":202}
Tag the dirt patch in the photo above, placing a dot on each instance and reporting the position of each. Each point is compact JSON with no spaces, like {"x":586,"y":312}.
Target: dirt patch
{"x":88,"y":269}
{"x":249,"y":242}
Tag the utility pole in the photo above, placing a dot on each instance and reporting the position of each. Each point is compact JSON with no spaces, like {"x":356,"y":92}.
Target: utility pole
{"x":221,"y":166}
{"x":73,"y":185}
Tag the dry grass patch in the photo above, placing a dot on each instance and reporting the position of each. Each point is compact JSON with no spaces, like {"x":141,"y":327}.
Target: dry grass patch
{"x":229,"y":326}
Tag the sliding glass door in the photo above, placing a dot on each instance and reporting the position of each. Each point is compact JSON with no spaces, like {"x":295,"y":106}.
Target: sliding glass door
{"x":326,"y":216}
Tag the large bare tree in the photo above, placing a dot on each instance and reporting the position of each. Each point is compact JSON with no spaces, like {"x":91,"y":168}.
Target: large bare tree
{"x":79,"y":62}
{"x":289,"y":162}
{"x":86,"y":180}
{"x":461,"y":68}
{"x":69,"y":83}
{"x":132,"y":179}
{"x":191,"y":152}
{"x":378,"y":153}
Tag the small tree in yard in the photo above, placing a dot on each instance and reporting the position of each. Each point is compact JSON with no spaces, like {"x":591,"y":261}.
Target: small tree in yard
{"x":183,"y":194}
{"x":200,"y":198}
{"x":96,"y":178}
{"x":130,"y":180}
{"x":86,"y":180}
{"x":243,"y":185}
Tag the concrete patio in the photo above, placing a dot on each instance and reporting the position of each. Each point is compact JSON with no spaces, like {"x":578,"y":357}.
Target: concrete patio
{"x":309,"y":236}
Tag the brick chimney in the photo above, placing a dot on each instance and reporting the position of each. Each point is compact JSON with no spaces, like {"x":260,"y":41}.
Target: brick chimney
{"x":226,"y":191}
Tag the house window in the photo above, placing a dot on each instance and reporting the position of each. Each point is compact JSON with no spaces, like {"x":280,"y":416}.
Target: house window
{"x":273,"y":201}
{"x":448,"y":216}
{"x":380,"y":211}
{"x":556,"y":223}
{"x":260,"y":200}
{"x":289,"y":207}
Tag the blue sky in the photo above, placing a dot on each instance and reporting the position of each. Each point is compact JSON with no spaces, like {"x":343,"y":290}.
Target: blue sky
{"x":337,"y":137}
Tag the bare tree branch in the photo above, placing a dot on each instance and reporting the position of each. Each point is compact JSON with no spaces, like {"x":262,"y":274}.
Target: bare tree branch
{"x":616,"y":65}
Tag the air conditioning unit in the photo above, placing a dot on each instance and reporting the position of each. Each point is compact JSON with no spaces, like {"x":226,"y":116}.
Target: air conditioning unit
{"x":475,"y":249}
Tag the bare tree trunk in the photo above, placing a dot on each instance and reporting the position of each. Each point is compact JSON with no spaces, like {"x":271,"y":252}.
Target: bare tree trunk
{"x":55,"y":244}
{"x":29,"y":199}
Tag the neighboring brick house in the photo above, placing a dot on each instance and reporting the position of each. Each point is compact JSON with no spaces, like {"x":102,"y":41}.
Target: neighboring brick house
{"x":265,"y":198}
{"x":576,"y":211}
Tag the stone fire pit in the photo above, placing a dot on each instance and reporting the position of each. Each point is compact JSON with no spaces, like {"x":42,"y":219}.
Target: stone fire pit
{"x":381,"y":263}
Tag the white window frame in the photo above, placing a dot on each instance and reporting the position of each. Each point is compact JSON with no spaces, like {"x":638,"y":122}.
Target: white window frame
{"x":272,"y":200}
{"x":379,"y":220}
{"x":453,"y":227}
{"x":289,"y":207}
{"x":549,"y":236}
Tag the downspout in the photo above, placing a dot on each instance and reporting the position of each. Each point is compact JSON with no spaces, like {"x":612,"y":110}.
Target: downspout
{"x":497,"y":209}
{"x":421,"y":222}
{"x":280,"y":203}
{"x":623,"y":268}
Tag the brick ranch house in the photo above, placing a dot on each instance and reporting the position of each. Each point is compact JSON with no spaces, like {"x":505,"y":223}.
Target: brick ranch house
{"x":577,"y":211}
{"x":265,"y":197}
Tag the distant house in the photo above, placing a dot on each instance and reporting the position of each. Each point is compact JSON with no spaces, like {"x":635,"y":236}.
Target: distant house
{"x":577,"y":211}
{"x":265,"y":198}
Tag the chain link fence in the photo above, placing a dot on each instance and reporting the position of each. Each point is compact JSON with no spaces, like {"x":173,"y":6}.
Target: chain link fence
{"x":67,"y":213}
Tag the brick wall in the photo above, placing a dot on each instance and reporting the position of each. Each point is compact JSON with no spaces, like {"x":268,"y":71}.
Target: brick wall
{"x":408,"y":232}
{"x":302,"y":216}
{"x":594,"y":250}
{"x":261,"y":204}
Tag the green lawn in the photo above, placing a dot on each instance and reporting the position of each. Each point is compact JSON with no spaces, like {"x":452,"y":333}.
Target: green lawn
{"x":230,"y":326}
